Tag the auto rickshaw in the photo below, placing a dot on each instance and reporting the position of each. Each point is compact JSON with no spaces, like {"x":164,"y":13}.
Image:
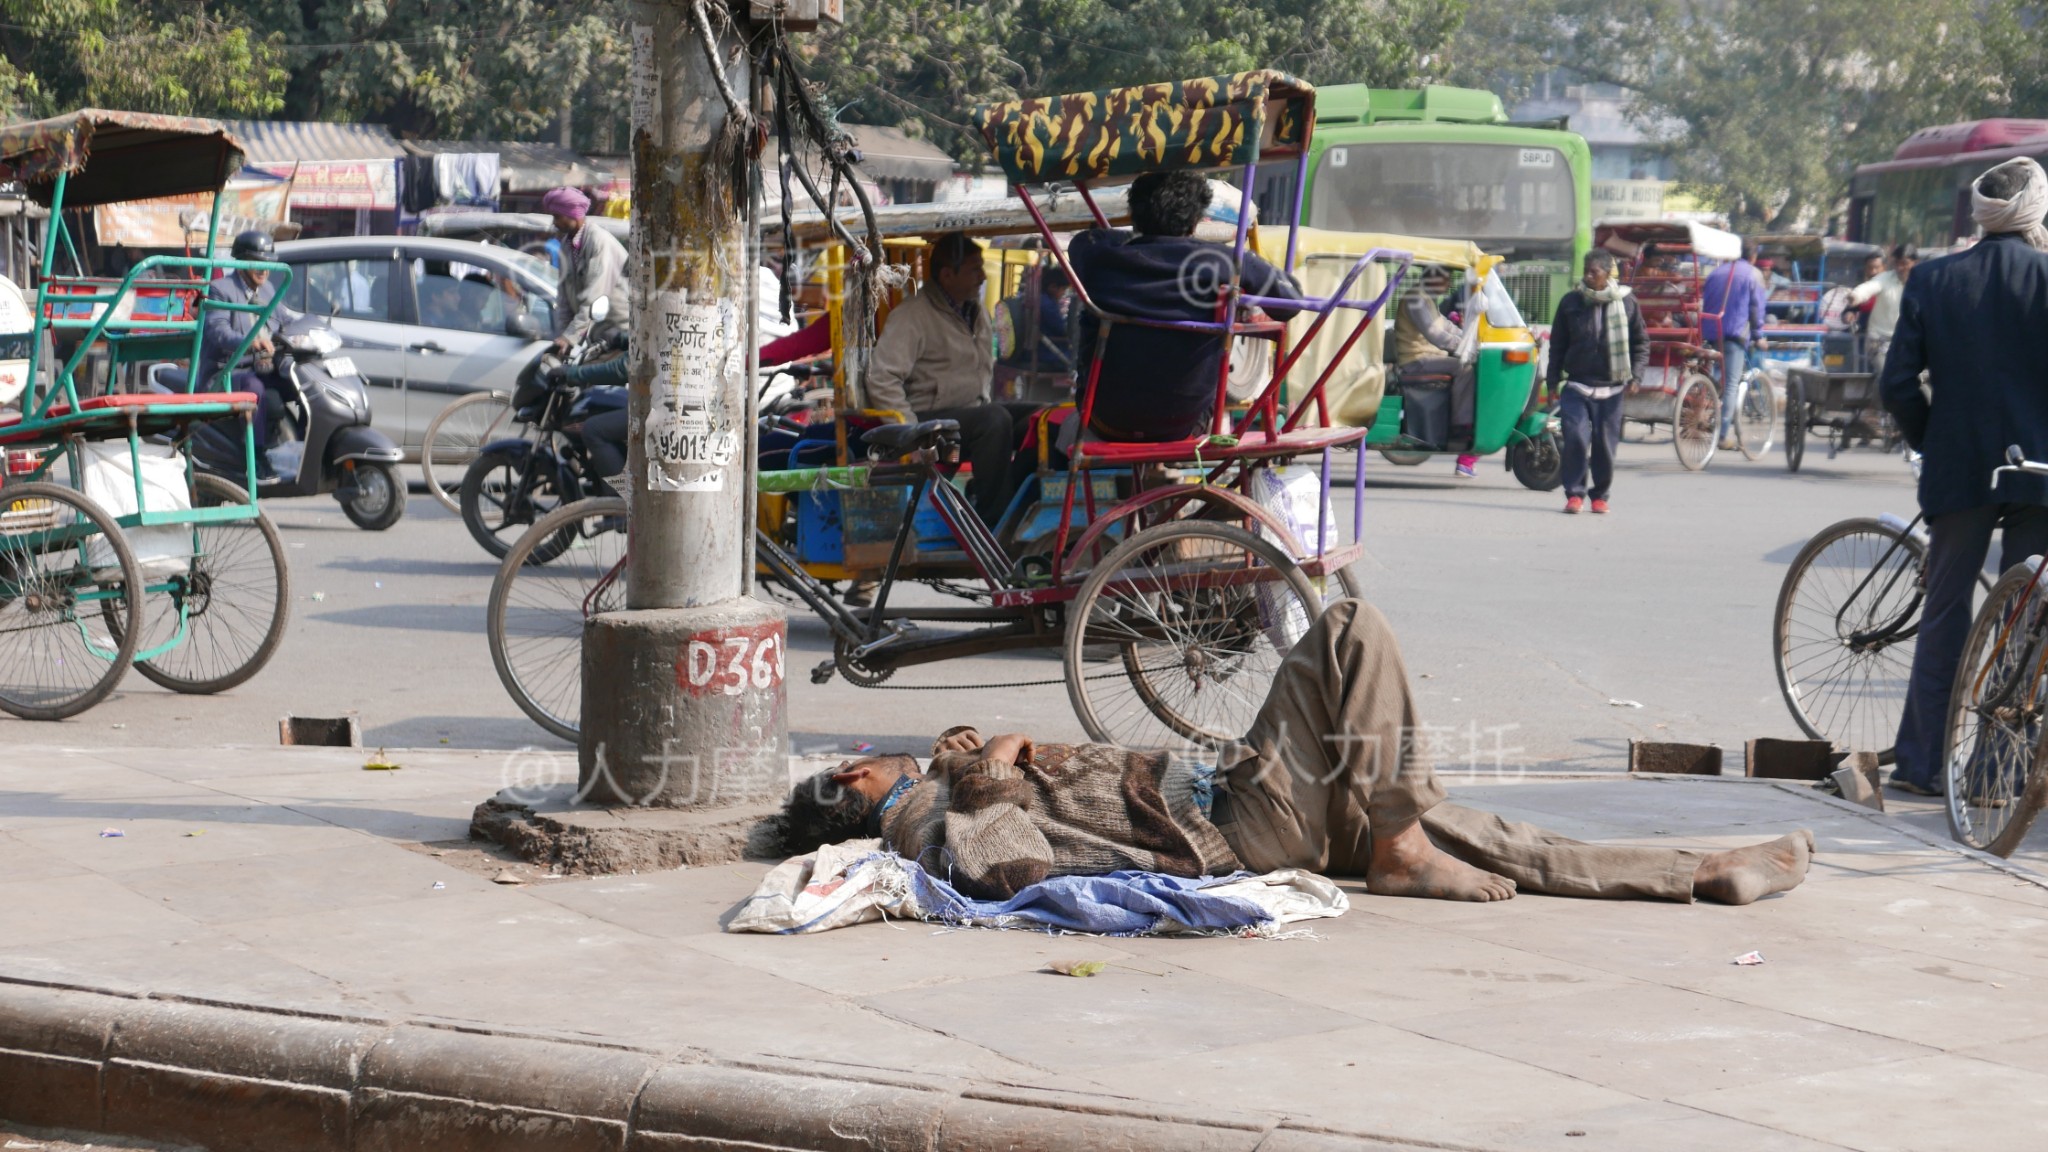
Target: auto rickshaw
{"x":1408,"y":417}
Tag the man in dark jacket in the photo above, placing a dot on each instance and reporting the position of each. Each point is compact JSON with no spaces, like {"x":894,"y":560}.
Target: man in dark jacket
{"x":1598,"y":350}
{"x":1977,"y":324}
{"x":1156,"y":383}
{"x":225,"y":330}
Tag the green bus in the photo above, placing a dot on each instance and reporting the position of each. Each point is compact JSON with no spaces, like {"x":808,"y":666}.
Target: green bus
{"x":1446,"y":162}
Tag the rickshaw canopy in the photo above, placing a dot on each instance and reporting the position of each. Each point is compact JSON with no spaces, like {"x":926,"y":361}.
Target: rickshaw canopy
{"x":1627,"y":238}
{"x":112,"y":157}
{"x":1117,"y":133}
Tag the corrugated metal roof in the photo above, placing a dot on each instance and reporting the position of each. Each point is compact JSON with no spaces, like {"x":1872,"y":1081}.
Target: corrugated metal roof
{"x":525,"y":165}
{"x":887,"y":154}
{"x":283,"y":141}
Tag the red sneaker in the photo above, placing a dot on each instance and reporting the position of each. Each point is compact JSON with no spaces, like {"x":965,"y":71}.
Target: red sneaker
{"x":1572,"y":504}
{"x":1599,"y":507}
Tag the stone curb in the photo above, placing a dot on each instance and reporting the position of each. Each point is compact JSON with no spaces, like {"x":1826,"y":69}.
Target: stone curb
{"x":245,"y":1079}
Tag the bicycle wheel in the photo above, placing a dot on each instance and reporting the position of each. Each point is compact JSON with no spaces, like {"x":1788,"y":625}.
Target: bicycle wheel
{"x":1176,"y":636}
{"x":457,"y":436}
{"x":1844,"y":633}
{"x":1795,"y":422}
{"x":1992,"y":751}
{"x":234,"y":595}
{"x":1696,"y":422}
{"x":61,"y":558}
{"x":536,"y":613}
{"x":1756,"y":417}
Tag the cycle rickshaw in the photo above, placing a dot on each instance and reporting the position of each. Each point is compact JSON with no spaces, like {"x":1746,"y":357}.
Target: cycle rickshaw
{"x":1666,"y":264}
{"x":113,"y":550}
{"x":1165,"y":572}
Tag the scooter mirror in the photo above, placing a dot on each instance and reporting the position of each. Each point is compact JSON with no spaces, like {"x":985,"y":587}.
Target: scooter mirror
{"x":523,"y":325}
{"x":600,"y":308}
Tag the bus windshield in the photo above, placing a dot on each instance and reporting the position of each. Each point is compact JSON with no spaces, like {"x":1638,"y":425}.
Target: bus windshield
{"x":1491,"y":194}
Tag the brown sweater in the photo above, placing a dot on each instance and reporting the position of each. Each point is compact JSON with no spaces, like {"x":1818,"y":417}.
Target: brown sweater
{"x":990,"y":827}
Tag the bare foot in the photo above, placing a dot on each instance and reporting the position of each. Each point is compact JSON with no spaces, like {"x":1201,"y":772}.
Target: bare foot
{"x":1744,"y":875}
{"x":1407,"y":864}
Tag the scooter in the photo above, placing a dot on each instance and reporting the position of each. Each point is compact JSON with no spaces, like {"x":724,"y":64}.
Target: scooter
{"x":326,"y":444}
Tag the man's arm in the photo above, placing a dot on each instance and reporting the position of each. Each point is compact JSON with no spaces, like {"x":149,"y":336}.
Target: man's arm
{"x":1756,"y":314}
{"x":1898,"y":382}
{"x":1638,"y":342}
{"x":896,"y":353}
{"x":1263,"y":279}
{"x":1422,"y":313}
{"x":1560,"y":344}
{"x":997,"y":851}
{"x":1865,"y":292}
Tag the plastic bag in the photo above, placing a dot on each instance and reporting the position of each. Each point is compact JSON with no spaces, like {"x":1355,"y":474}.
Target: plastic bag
{"x":163,"y":550}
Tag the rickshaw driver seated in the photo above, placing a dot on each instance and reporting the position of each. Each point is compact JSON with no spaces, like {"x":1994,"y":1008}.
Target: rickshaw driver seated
{"x":935,"y":359}
{"x":1158,"y":384}
{"x":1330,"y":778}
{"x":225,"y":330}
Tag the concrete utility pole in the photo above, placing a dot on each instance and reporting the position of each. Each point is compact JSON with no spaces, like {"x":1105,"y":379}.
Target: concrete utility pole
{"x":683,"y":696}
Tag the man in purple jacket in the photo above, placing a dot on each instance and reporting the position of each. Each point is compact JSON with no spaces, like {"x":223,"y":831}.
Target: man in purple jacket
{"x":1732,"y":320}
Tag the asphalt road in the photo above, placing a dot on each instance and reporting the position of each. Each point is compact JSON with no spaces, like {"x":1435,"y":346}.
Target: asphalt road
{"x":1520,"y":625}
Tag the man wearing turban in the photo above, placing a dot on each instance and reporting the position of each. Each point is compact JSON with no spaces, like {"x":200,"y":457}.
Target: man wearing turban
{"x":593,"y":268}
{"x":1976,"y":323}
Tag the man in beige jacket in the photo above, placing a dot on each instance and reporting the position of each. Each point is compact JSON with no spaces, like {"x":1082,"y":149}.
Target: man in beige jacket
{"x":934,"y":361}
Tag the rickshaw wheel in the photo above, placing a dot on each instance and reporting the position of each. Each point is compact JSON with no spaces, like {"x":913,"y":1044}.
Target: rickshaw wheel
{"x":1696,"y":422}
{"x":1538,"y":464}
{"x":237,"y":592}
{"x":51,"y":664}
{"x":857,"y":674}
{"x":537,"y":610}
{"x":1755,"y":420}
{"x":1795,"y":422}
{"x":1197,"y":616}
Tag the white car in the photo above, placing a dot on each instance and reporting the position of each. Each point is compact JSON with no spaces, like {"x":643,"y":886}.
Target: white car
{"x":425,"y":320}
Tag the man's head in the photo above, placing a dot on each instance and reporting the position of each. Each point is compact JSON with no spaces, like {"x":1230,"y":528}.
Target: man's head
{"x":1436,"y":280}
{"x":2012,"y":197}
{"x":1053,"y":281}
{"x":255,"y":244}
{"x":1599,"y":268}
{"x":833,"y":805}
{"x":568,"y":206}
{"x":1903,"y":259}
{"x":956,"y":267}
{"x":1749,"y":250}
{"x":1658,"y":259}
{"x":1168,"y":203}
{"x":1873,"y":266}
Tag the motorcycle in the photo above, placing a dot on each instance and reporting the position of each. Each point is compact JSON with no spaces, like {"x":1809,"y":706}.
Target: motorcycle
{"x":517,"y":480}
{"x":325,"y":444}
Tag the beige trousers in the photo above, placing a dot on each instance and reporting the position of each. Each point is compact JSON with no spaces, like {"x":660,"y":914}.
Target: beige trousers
{"x":1333,"y":758}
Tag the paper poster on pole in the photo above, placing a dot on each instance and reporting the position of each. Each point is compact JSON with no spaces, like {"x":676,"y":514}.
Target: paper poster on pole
{"x":691,"y":440}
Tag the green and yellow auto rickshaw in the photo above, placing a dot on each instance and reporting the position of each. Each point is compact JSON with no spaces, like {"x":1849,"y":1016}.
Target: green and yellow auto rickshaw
{"x":1404,"y":412}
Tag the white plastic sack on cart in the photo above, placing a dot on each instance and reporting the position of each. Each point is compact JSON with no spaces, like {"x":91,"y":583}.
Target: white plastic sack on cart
{"x":1293,"y":494}
{"x":163,"y":550}
{"x":17,"y":328}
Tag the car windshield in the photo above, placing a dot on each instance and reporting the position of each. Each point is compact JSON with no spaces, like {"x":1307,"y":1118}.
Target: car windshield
{"x":1486,"y":193}
{"x":532,"y":266}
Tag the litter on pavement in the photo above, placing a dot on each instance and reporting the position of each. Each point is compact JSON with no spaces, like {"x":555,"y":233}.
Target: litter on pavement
{"x":1749,"y":959}
{"x":111,"y":833}
{"x":1624,"y":703}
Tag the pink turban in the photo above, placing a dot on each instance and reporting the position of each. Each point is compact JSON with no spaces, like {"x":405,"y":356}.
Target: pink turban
{"x":566,"y":202}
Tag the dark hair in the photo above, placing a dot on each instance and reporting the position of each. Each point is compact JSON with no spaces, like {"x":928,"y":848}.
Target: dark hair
{"x":821,"y":811}
{"x":2003,"y":182}
{"x":1749,"y":249}
{"x":1599,"y":258}
{"x":1902,"y":252}
{"x":1168,"y":203}
{"x":952,"y":250}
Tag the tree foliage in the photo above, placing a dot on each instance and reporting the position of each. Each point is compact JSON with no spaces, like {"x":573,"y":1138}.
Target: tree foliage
{"x":141,"y":55}
{"x":1766,"y":105}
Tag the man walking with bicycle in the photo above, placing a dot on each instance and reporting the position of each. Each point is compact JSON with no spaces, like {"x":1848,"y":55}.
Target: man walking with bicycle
{"x":1977,"y":324}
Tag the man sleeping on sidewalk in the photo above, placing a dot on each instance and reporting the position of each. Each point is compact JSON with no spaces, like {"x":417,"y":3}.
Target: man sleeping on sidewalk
{"x":1324,"y":781}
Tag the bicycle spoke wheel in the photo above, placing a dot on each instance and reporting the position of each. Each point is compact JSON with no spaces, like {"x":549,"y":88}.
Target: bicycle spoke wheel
{"x":500,"y":499}
{"x":1696,"y":422}
{"x":537,"y":612}
{"x":1176,"y":636}
{"x":1756,"y":419}
{"x":1845,"y":631}
{"x":456,"y":437}
{"x":1991,"y":760}
{"x":64,"y":567}
{"x":234,"y":595}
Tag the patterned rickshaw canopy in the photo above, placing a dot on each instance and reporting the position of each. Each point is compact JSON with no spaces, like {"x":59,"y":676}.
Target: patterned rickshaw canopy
{"x":112,"y":157}
{"x":1217,"y":122}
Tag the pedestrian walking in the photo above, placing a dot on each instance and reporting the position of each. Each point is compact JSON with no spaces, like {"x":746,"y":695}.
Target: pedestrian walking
{"x":1731,"y":320}
{"x":1883,"y":293}
{"x":1598,"y":349}
{"x":1977,"y":324}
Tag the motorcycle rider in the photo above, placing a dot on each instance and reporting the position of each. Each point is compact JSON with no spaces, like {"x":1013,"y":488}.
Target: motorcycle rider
{"x":604,"y":435}
{"x":225,"y":330}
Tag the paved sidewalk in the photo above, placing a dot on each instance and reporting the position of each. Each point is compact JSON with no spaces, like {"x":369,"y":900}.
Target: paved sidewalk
{"x":1903,"y":1003}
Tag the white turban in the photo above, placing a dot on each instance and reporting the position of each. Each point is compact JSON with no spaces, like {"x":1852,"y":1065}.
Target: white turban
{"x":2023,"y":213}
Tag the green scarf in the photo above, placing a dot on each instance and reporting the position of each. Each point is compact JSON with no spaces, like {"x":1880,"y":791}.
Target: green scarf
{"x":1619,"y":367}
